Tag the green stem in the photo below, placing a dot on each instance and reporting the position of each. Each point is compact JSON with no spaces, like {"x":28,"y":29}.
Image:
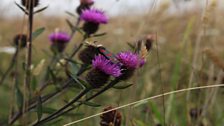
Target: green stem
{"x":111,"y":84}
{"x":63,"y":108}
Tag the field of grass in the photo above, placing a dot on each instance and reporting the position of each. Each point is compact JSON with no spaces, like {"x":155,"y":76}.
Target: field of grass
{"x":188,"y":52}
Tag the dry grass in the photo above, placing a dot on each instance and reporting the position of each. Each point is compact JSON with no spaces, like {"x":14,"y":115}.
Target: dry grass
{"x":181,"y":41}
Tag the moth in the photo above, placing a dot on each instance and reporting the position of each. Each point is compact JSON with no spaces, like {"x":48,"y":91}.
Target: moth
{"x":103,"y":51}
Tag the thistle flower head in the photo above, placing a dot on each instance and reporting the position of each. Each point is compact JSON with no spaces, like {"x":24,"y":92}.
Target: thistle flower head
{"x":94,"y":16}
{"x":130,"y":60}
{"x":106,"y":66}
{"x":59,"y":37}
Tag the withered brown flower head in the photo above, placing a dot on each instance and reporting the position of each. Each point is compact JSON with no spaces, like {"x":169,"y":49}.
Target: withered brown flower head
{"x":26,"y":3}
{"x":149,"y":41}
{"x":112,"y":118}
{"x":20,"y":40}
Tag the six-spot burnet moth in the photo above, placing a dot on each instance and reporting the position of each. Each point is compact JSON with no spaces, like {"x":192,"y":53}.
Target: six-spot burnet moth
{"x":103,"y":51}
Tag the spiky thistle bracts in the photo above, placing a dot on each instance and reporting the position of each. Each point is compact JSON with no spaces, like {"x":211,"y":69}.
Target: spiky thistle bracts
{"x":26,"y":3}
{"x":59,"y":41}
{"x":101,"y":71}
{"x":93,"y":18}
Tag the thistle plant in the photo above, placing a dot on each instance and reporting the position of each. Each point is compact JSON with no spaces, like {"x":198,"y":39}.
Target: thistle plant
{"x":95,"y":68}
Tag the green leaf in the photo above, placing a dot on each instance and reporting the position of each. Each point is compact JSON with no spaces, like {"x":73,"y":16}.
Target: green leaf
{"x":48,"y":110}
{"x":132,"y":46}
{"x":90,"y":104}
{"x":70,"y":14}
{"x":37,"y":32}
{"x":74,"y":68}
{"x":139,"y":122}
{"x":121,"y":87}
{"x":39,"y":108}
{"x":156,"y":112}
{"x":52,"y":75}
{"x":40,"y":10}
{"x":21,"y":8}
{"x":99,"y":35}
{"x":19,"y":97}
{"x":34,"y":83}
{"x":71,"y":26}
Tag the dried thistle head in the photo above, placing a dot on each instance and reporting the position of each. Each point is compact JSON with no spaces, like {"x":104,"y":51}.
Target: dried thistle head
{"x":26,"y":3}
{"x":20,"y":40}
{"x":112,"y":118}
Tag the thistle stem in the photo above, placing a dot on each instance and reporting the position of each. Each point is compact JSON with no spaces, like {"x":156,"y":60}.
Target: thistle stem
{"x":111,"y":84}
{"x":63,"y":108}
{"x":10,"y":66}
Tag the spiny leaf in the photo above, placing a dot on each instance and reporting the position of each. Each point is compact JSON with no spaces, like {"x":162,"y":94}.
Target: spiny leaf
{"x":21,"y":8}
{"x":70,"y":14}
{"x":71,"y":26}
{"x":40,"y":10}
{"x":36,"y":33}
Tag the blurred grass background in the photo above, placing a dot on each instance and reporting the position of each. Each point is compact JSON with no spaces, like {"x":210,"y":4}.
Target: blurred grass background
{"x":179,"y":59}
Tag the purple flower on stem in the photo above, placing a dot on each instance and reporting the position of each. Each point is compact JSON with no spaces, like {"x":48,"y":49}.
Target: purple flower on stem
{"x":130,"y":60}
{"x":59,"y":41}
{"x":94,"y":16}
{"x":104,"y":65}
{"x":61,"y":37}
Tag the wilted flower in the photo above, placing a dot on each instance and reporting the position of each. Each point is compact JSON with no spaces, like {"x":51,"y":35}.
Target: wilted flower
{"x":102,"y":70}
{"x":130,"y":62}
{"x":93,"y":18}
{"x":20,"y":40}
{"x":112,"y":118}
{"x":59,"y":41}
{"x":149,"y":41}
{"x":26,"y":3}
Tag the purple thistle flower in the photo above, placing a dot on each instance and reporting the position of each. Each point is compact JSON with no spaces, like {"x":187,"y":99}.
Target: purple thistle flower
{"x":59,"y":37}
{"x":106,"y":66}
{"x":94,"y":16}
{"x":130,"y":60}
